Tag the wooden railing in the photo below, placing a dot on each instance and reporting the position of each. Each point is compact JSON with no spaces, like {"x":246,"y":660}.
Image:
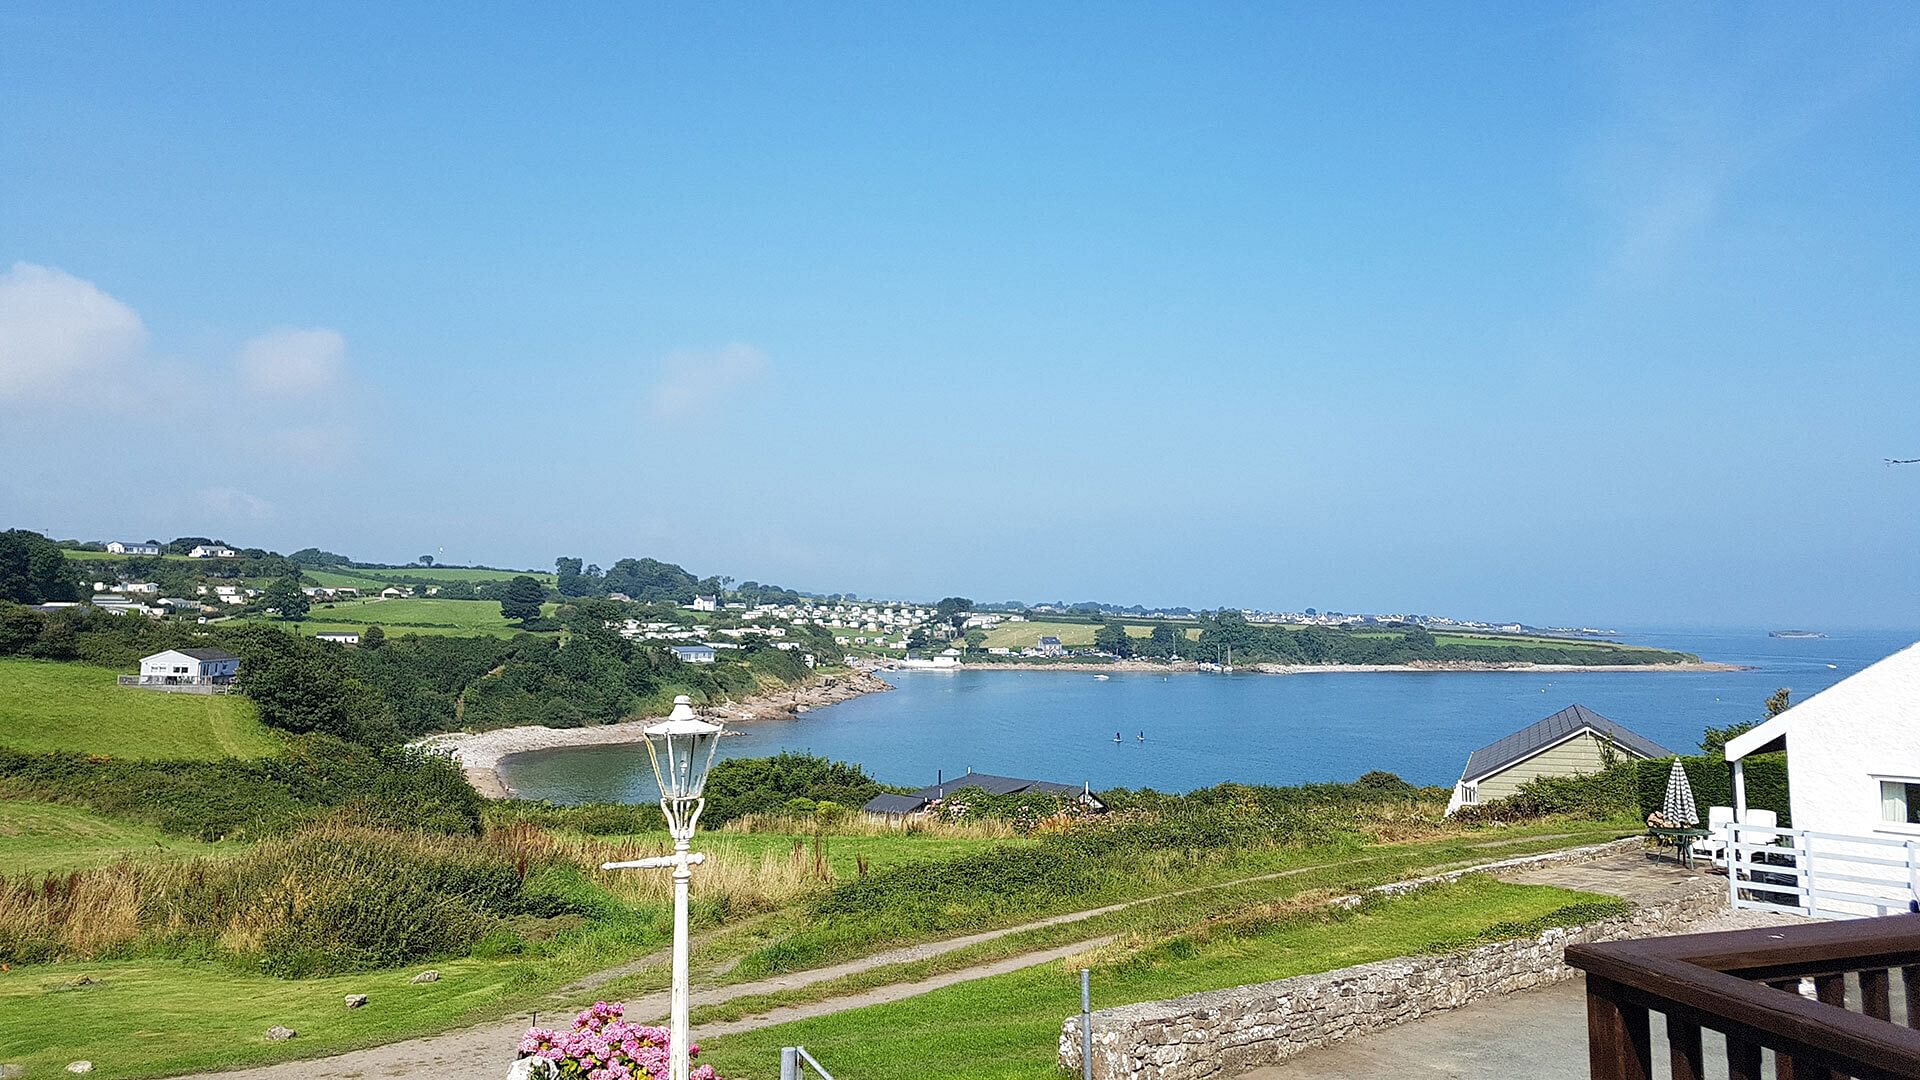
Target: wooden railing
{"x":1745,"y":985}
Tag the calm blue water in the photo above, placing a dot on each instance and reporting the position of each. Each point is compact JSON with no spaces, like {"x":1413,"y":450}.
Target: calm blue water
{"x":1205,"y":729}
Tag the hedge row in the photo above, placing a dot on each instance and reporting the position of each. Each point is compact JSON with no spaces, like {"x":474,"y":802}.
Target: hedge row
{"x":1712,"y":780}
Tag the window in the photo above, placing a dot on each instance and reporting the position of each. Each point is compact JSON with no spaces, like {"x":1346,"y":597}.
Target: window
{"x":1900,"y":801}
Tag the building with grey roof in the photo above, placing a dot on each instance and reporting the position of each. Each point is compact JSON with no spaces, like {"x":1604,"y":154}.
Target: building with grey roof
{"x":1574,"y":741}
{"x":927,"y":798}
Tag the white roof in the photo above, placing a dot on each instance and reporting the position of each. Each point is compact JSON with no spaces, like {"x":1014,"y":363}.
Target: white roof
{"x":682,"y":721}
{"x":1893,"y":674}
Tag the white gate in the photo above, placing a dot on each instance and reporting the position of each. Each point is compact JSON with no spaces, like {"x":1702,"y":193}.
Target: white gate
{"x":1825,"y":875}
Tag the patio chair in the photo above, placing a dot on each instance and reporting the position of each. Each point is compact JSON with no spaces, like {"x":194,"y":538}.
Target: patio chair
{"x":1715,"y":846}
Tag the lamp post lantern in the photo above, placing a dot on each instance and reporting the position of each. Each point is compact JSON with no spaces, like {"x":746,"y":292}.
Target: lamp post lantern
{"x":681,"y":749}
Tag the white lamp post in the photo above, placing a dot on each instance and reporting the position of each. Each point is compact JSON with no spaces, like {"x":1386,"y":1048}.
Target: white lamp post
{"x":681,"y":748}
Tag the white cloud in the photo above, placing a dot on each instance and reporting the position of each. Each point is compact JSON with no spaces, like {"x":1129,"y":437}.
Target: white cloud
{"x":232,"y":506}
{"x":60,"y":336}
{"x":292,"y":362}
{"x":693,"y":382}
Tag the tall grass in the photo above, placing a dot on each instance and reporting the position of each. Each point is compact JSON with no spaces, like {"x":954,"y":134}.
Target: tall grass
{"x":871,"y":825}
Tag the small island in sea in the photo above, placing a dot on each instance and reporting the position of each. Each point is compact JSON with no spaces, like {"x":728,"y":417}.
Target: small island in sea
{"x":1797,"y":634}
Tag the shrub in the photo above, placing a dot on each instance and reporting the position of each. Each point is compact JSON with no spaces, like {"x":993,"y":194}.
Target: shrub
{"x":329,"y":899}
{"x":1712,"y":780}
{"x":602,"y":1046}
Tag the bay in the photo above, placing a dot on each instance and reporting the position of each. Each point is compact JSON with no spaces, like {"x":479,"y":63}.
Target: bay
{"x":1264,"y":729}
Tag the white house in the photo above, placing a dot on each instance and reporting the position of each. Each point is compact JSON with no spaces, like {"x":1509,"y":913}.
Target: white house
{"x":212,"y":551}
{"x":693,"y":654}
{"x":1853,"y":753}
{"x":348,"y":638}
{"x":132,"y":547}
{"x":189,"y":667}
{"x":1853,"y":779}
{"x":705,"y":603}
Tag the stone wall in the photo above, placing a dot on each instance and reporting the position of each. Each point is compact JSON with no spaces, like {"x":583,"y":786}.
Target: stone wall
{"x":1222,"y":1033}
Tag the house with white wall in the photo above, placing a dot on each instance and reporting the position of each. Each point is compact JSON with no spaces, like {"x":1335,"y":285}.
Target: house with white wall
{"x":188,"y":667}
{"x":132,"y":547}
{"x":1853,"y":753}
{"x":212,"y":551}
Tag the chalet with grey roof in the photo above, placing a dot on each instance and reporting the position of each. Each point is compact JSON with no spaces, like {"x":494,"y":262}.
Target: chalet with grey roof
{"x":1572,"y":742}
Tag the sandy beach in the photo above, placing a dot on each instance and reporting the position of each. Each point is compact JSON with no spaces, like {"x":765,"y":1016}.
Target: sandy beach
{"x":479,"y":753}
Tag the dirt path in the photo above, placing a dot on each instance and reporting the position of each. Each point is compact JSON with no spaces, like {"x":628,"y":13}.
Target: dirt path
{"x":486,"y":1049}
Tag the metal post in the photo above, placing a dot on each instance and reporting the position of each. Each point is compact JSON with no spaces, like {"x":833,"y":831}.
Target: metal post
{"x":682,"y":873}
{"x":1086,"y":1026}
{"x":789,"y":1063}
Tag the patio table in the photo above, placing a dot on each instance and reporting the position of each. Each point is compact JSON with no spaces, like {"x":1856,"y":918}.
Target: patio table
{"x":1682,"y":841}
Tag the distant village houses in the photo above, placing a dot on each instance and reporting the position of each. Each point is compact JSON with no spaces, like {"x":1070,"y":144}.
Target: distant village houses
{"x":693,"y":654}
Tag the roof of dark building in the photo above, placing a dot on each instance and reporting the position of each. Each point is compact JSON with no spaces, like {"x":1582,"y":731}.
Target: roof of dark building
{"x":1537,"y":736}
{"x":1049,"y":639}
{"x":894,"y":804}
{"x":208,"y":654}
{"x":993,"y":785}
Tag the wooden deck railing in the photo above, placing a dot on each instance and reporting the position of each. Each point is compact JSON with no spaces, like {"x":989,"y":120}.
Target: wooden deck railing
{"x":1745,"y":984}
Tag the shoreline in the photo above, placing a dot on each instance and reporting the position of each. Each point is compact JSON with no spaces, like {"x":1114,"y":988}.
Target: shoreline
{"x":1187,"y":667}
{"x":480,"y":753}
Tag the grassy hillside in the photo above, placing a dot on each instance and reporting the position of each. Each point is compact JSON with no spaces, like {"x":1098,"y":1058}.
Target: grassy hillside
{"x":1024,"y":635}
{"x":52,"y":706}
{"x":411,"y":615}
{"x":37,"y":838}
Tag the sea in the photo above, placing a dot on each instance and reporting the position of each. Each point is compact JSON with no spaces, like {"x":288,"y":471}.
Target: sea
{"x":1183,"y":731}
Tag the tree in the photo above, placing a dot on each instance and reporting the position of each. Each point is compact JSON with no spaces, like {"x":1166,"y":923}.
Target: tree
{"x":284,"y":596}
{"x":1112,"y":638}
{"x":522,"y":599}
{"x":569,"y":579}
{"x":918,"y":639}
{"x":976,"y":637}
{"x":33,"y":570}
{"x":951,"y":606}
{"x":1780,"y":702}
{"x":373,"y":638}
{"x":426,"y":560}
{"x":1164,"y":642}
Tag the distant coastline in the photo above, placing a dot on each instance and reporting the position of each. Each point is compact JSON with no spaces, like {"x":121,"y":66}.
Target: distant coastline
{"x":480,"y":753}
{"x":1187,"y":667}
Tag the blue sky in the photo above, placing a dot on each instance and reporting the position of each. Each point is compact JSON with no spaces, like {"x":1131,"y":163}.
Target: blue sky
{"x":1560,"y":314}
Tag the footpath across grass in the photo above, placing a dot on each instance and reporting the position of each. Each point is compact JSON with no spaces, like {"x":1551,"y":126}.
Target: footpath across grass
{"x":47,"y":706}
{"x":1007,"y":1027}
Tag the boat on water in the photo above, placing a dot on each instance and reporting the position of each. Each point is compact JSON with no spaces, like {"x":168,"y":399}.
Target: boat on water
{"x":1116,"y":736}
{"x":1797,"y":634}
{"x":1103,"y":678}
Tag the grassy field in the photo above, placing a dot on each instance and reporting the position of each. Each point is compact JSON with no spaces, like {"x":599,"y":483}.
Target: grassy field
{"x":411,"y":615}
{"x":39,"y":838}
{"x":1008,"y":1026}
{"x":196,"y":1014}
{"x":108,"y":556}
{"x":1025,"y":635}
{"x":52,"y":706}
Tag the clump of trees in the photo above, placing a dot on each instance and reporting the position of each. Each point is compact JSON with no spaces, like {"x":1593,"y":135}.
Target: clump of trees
{"x":33,"y":570}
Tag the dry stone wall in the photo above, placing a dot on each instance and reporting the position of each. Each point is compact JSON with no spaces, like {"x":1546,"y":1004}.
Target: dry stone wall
{"x":1222,"y":1033}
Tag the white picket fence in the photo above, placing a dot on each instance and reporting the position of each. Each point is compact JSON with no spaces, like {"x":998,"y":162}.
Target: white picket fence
{"x":1824,"y":875}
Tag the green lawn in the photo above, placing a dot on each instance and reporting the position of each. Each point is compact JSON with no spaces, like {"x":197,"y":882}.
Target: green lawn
{"x":38,"y":838}
{"x":52,"y":706}
{"x":1008,"y":1026}
{"x":409,"y":615}
{"x":108,"y":556}
{"x":1025,"y":635}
